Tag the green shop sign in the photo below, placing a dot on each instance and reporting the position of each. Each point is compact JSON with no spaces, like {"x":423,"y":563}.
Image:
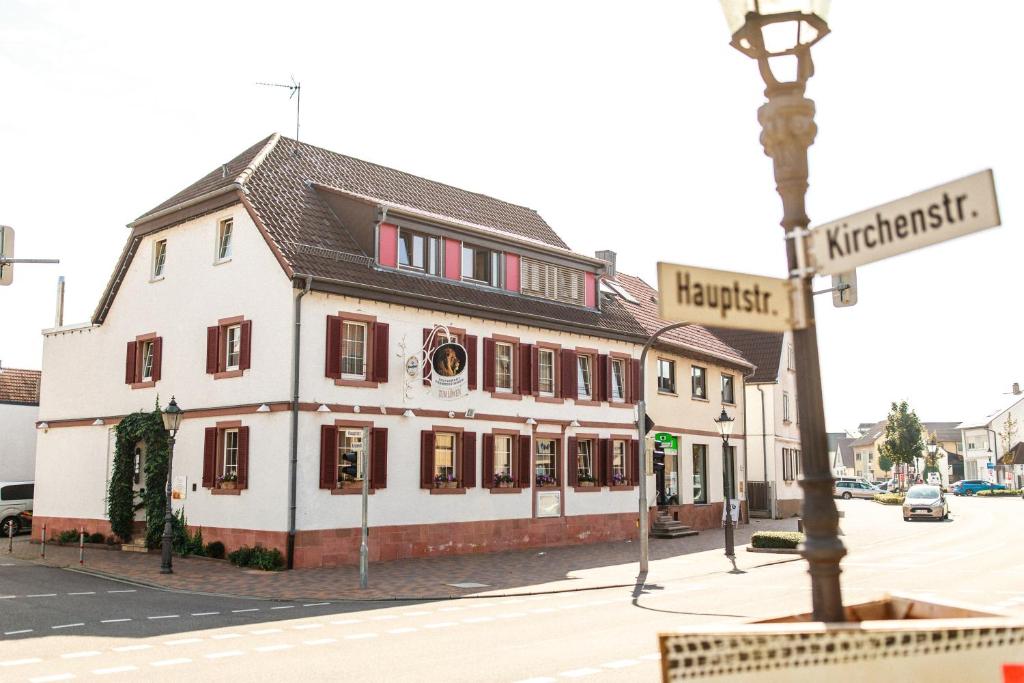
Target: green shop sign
{"x":670,"y":443}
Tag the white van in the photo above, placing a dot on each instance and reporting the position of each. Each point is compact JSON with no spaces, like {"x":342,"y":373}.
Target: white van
{"x":15,"y":506}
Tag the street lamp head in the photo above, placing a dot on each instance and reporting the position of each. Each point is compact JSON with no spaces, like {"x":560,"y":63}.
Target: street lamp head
{"x":172,"y":417}
{"x":725,"y":424}
{"x":932,"y":446}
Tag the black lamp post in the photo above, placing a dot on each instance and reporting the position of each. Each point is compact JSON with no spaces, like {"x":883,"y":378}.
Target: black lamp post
{"x":779,"y":35}
{"x":172,"y":420}
{"x":932,"y":448}
{"x":725,"y":425}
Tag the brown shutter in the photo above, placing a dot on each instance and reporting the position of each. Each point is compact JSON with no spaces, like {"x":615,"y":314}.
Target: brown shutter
{"x":569,"y":369}
{"x":558,"y":461}
{"x":471,"y":360}
{"x":332,"y":362}
{"x":524,"y":377}
{"x":210,"y":458}
{"x":525,"y":471}
{"x":380,"y":352}
{"x":488,"y":364}
{"x":572,"y":462}
{"x":426,"y":459}
{"x":634,"y":473}
{"x":378,"y":458}
{"x":426,"y":369}
{"x":243,"y":457}
{"x":129,"y":363}
{"x":634,"y":380}
{"x":212,"y":349}
{"x":469,"y":459}
{"x":487,"y":469}
{"x":603,"y":383}
{"x":328,"y":456}
{"x":597,"y":448}
{"x":606,"y":461}
{"x":535,"y":371}
{"x":245,"y":354}
{"x":158,"y":358}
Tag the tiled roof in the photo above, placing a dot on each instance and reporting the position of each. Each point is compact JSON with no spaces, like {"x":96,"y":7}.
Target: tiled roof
{"x":870,"y":435}
{"x":844,"y":449}
{"x":762,"y":349}
{"x":944,"y":431}
{"x":19,"y":386}
{"x":689,"y":339}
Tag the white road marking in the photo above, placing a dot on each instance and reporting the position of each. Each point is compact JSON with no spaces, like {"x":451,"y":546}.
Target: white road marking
{"x":384,"y":617}
{"x":226,"y":636}
{"x":54,"y":677}
{"x":284,"y":607}
{"x":14,"y":633}
{"x":620,"y":663}
{"x":165,"y":616}
{"x":512,"y":615}
{"x":404,"y":629}
{"x":451,"y":609}
{"x":171,"y":662}
{"x":544,"y":610}
{"x":580,"y":673}
{"x":84,"y":593}
{"x":83,"y":653}
{"x":69,"y":625}
{"x":131,"y":590}
{"x":7,"y":597}
{"x":42,"y":595}
{"x":115,"y":670}
{"x":346,"y":622}
{"x":265,"y":631}
{"x":113,"y":621}
{"x":274,"y":648}
{"x":360,"y":636}
{"x":226,"y":653}
{"x":183,"y":641}
{"x":477,"y":620}
{"x":203,"y":614}
{"x":131,"y":648}
{"x":306,"y":627}
{"x":441,"y":624}
{"x":316,"y":604}
{"x":320,"y":641}
{"x":19,"y":662}
{"x":420,"y":613}
{"x":251,"y":609}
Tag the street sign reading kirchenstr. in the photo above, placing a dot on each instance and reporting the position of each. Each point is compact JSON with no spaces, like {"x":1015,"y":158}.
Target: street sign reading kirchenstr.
{"x":725,"y":299}
{"x":936,"y":215}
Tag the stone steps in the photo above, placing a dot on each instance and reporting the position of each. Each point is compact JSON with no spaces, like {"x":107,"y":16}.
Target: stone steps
{"x":666,"y":526}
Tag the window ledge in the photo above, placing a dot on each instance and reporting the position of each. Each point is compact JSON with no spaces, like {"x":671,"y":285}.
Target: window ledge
{"x":549,"y":399}
{"x":698,"y":398}
{"x":222,"y":261}
{"x":226,"y":492}
{"x":228,"y":374}
{"x":356,"y":383}
{"x":351,"y":491}
{"x":587,"y":402}
{"x":664,"y":392}
{"x":621,"y":488}
{"x":588,"y":489}
{"x":143,"y":385}
{"x":620,"y":404}
{"x":506,"y":489}
{"x":158,"y":278}
{"x":508,"y":396}
{"x":447,"y":491}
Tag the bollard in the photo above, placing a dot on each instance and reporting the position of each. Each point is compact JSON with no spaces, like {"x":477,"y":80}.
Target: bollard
{"x":10,"y":537}
{"x":42,"y":546}
{"x":81,"y":546}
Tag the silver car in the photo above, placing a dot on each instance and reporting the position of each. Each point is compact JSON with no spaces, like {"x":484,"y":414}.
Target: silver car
{"x":854,"y":489}
{"x":925,"y":502}
{"x":15,"y":506}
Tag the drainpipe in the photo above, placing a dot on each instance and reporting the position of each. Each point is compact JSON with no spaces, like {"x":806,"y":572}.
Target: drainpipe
{"x":294,"y":460}
{"x":764,"y":453}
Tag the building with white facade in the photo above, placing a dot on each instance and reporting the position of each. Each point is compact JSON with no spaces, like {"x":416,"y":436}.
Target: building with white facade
{"x":19,"y":410}
{"x":992,"y":444}
{"x":285,"y":300}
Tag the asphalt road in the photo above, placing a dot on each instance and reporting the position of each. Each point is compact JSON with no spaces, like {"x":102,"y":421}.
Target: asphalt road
{"x":61,"y":625}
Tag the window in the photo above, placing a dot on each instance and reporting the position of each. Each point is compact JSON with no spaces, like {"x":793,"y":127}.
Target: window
{"x":419,"y":252}
{"x":147,"y":361}
{"x":546,"y":461}
{"x":618,"y":380}
{"x":17,"y":492}
{"x":667,"y":375}
{"x":619,"y":463}
{"x":791,"y":465}
{"x":585,"y":384}
{"x":791,"y":357}
{"x":224,"y":232}
{"x":785,"y":407}
{"x":503,"y":456}
{"x":353,"y":350}
{"x":728,"y":394}
{"x":142,"y":361}
{"x":546,"y":372}
{"x":503,"y":367}
{"x":482,"y":265}
{"x":549,"y":281}
{"x":698,"y":380}
{"x":159,"y":258}
{"x":137,"y":466}
{"x":700,"y":473}
{"x":350,"y":441}
{"x":233,"y":347}
{"x":585,"y":460}
{"x":230,"y":455}
{"x":444,"y":456}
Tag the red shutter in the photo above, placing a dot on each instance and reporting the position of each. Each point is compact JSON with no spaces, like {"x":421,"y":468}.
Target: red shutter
{"x":569,"y":369}
{"x":378,"y":458}
{"x":535,"y":370}
{"x":488,"y":364}
{"x":245,"y":354}
{"x":243,"y":457}
{"x":213,"y":349}
{"x":210,"y":458}
{"x":471,"y":359}
{"x":380,"y":352}
{"x":469,"y":459}
{"x":328,"y":456}
{"x":158,"y":358}
{"x":606,"y":462}
{"x":558,"y":461}
{"x":525,"y":471}
{"x":634,"y":473}
{"x":129,"y":363}
{"x":487,"y":469}
{"x":597,"y":448}
{"x":426,"y":368}
{"x":524,"y":378}
{"x":426,"y":459}
{"x":603,"y":385}
{"x":573,"y":462}
{"x":332,"y":362}
{"x":634,"y":380}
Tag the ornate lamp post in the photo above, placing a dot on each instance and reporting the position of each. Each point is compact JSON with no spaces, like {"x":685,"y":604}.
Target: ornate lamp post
{"x":172,"y":420}
{"x":725,"y":425}
{"x":779,"y":35}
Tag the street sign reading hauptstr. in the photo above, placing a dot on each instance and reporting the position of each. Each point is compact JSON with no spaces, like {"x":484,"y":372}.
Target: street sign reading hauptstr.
{"x":952,"y":210}
{"x":725,"y":299}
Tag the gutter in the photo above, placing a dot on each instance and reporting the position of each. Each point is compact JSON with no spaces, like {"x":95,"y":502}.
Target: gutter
{"x":293,"y":461}
{"x":764,"y":447}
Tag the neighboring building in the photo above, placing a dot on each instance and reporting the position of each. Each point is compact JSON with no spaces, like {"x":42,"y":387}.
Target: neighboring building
{"x":990,"y":452}
{"x":772,"y":420}
{"x":843,"y":459}
{"x":690,"y":377}
{"x":867,"y":451}
{"x":19,"y":409}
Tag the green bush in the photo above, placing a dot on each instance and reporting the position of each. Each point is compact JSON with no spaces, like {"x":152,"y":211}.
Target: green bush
{"x":95,"y":538}
{"x":776,"y":539}
{"x":184,"y":542}
{"x":1003,"y":492}
{"x":68,"y":536}
{"x":258,"y":557}
{"x":215,"y":550}
{"x":889,"y":498}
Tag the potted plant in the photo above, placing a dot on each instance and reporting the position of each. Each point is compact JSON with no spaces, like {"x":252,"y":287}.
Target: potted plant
{"x":345,"y":483}
{"x":586,"y":479}
{"x":228,"y":482}
{"x":503,"y":481}
{"x":618,"y":479}
{"x":544,"y":480}
{"x":445,"y":481}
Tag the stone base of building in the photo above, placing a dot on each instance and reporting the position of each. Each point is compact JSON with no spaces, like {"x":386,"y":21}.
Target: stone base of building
{"x":55,"y":525}
{"x":701,"y":517}
{"x":788,"y":507}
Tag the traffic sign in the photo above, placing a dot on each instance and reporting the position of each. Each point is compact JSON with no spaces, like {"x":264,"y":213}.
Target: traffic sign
{"x":6,"y":252}
{"x":952,"y":210}
{"x":725,"y":299}
{"x":844,"y":289}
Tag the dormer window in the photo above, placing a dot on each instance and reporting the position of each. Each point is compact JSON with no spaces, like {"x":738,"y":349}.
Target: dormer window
{"x":417,"y":251}
{"x":482,"y":265}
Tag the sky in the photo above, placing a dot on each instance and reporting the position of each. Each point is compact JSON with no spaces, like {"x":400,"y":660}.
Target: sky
{"x":628,"y":126}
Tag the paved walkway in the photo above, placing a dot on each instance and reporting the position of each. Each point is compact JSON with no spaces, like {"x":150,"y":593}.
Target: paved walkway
{"x":565,"y":568}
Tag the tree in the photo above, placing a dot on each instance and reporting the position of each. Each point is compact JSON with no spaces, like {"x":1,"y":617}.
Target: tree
{"x":885,"y":464}
{"x":1006,"y":435}
{"x":903,"y":435}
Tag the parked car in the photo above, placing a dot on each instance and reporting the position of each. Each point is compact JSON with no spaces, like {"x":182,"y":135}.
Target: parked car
{"x":925,"y":502}
{"x":854,"y":489}
{"x":15,"y":506}
{"x":968,"y":487}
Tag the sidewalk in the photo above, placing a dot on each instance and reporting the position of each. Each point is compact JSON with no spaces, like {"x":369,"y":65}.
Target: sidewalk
{"x":564,"y":568}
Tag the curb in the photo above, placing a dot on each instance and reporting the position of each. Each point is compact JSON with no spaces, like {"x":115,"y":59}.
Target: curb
{"x":774,"y":551}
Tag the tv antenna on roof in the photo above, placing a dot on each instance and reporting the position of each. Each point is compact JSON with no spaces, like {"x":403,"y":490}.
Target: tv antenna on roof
{"x":296,"y":92}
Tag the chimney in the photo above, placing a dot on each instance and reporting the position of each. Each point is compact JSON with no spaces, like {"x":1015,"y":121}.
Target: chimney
{"x":608,"y":257}
{"x":59,"y":317}
{"x":223,"y":170}
{"x":1016,"y":389}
